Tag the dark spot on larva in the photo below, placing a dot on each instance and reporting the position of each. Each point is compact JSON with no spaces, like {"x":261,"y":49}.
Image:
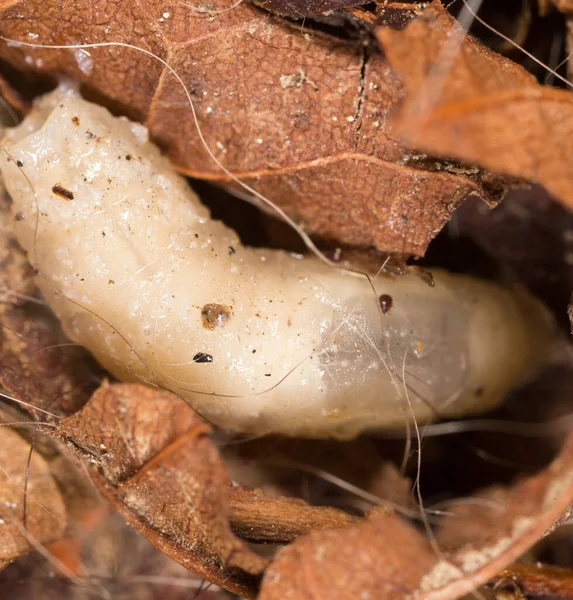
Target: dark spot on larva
{"x":62,"y":192}
{"x":201,"y":357}
{"x":196,"y":235}
{"x":427,"y":277}
{"x":103,"y":233}
{"x":128,"y":157}
{"x":18,"y":216}
{"x":89,"y":134}
{"x":111,"y":282}
{"x":267,"y":374}
{"x":231,"y":251}
{"x":385,"y":303}
{"x":75,"y":121}
{"x":479,"y":391}
{"x":254,"y":351}
{"x":20,"y":163}
{"x":215,"y":315}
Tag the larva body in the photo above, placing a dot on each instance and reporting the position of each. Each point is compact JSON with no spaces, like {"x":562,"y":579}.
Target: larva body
{"x":256,"y":340}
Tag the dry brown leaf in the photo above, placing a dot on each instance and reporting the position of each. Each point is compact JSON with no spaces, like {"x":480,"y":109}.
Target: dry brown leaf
{"x":382,"y":558}
{"x":45,"y":508}
{"x":123,"y":427}
{"x":477,"y":540}
{"x":34,"y":371}
{"x":467,"y":102}
{"x":165,"y":476}
{"x":303,"y":118}
{"x":500,"y":529}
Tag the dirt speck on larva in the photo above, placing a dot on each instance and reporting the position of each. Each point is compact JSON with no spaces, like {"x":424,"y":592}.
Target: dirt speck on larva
{"x":62,"y":192}
{"x":385,"y":303}
{"x":215,"y":315}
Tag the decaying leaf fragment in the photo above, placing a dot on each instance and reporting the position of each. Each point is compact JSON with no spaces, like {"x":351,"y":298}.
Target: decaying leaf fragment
{"x":302,"y":118}
{"x":499,"y":527}
{"x":45,"y":508}
{"x":382,"y":558}
{"x":467,"y":102}
{"x":165,"y":476}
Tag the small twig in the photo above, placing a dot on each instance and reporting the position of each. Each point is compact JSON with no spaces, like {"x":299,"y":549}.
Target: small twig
{"x":538,"y":580}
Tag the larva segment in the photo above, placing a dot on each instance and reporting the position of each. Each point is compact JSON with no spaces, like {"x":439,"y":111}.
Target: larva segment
{"x":257,"y":340}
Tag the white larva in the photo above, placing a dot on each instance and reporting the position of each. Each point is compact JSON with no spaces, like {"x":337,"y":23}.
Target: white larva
{"x":256,"y":340}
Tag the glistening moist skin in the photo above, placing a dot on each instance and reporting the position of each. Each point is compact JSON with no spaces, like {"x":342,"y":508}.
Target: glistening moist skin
{"x":257,"y":341}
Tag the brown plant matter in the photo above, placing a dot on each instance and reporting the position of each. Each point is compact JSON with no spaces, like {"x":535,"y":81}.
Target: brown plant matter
{"x":304,"y":119}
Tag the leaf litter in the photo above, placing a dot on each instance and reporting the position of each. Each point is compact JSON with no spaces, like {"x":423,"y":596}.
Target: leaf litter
{"x":143,"y":454}
{"x":473,"y":105}
{"x":338,"y":93}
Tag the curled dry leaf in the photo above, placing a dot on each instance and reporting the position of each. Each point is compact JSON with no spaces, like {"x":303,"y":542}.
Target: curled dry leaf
{"x":33,"y":366}
{"x":385,"y":558}
{"x":499,"y":526}
{"x":45,"y":508}
{"x":165,"y":476}
{"x":467,"y":102}
{"x":382,"y":558}
{"x":301,"y":117}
